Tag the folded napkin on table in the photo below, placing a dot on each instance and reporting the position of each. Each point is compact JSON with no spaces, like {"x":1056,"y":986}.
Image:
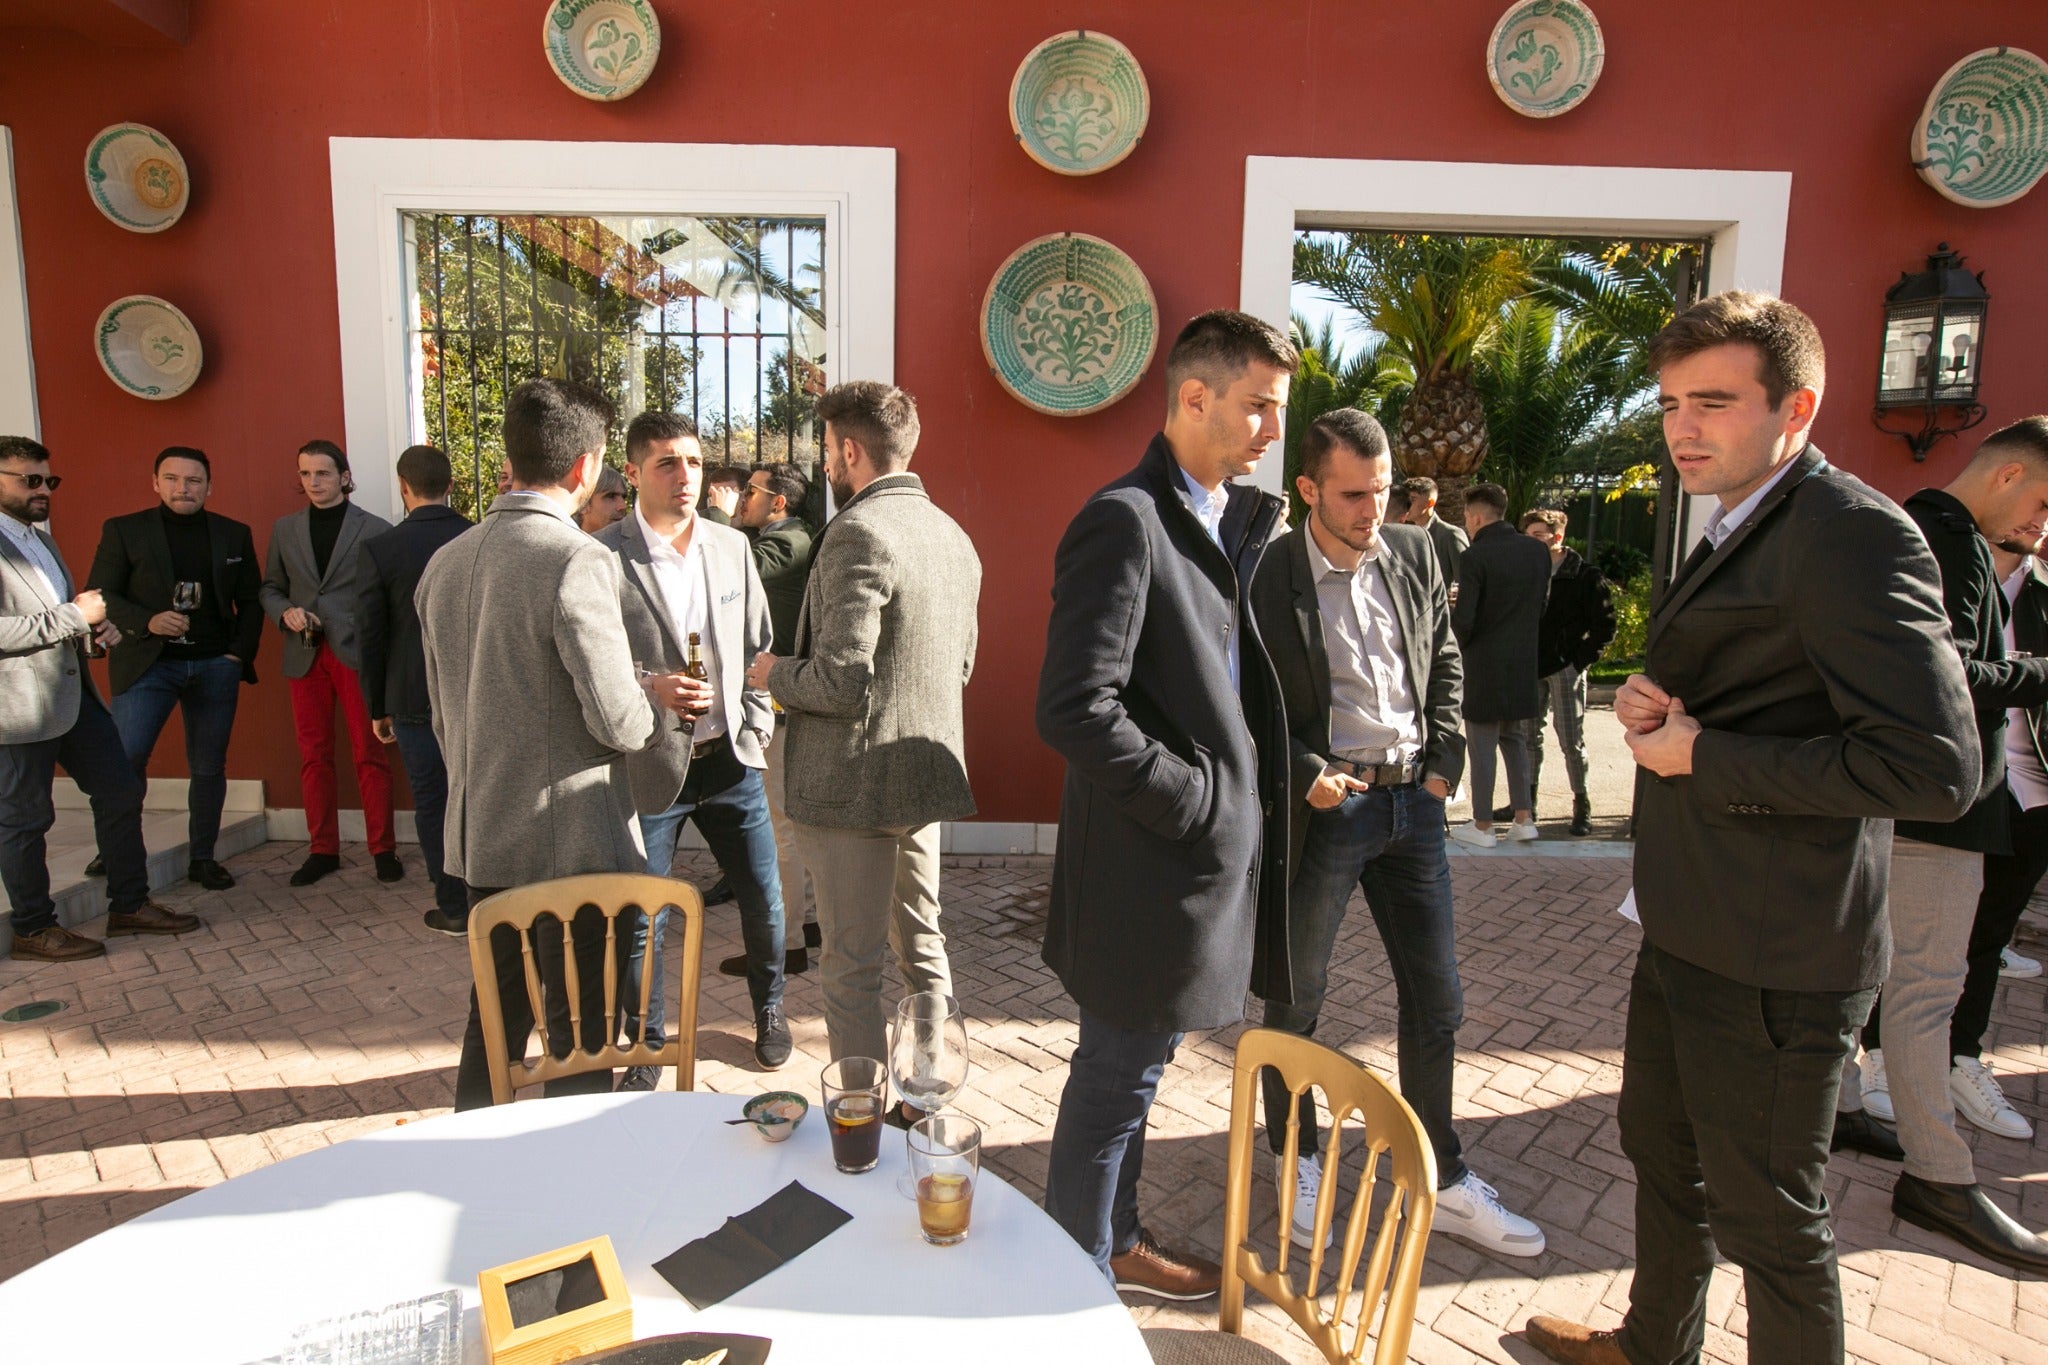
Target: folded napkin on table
{"x":772,"y":1233}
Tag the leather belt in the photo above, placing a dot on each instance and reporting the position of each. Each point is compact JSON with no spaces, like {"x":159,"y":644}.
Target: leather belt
{"x":703,"y":747}
{"x":1379,"y":774}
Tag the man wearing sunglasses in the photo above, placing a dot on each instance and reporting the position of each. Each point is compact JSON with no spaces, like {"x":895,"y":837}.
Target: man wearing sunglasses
{"x":51,"y":713}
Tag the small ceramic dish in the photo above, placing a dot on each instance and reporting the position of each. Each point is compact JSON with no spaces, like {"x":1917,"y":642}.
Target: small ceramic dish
{"x":601,"y":49}
{"x":147,"y":347}
{"x":1982,"y":138}
{"x":1079,"y":102}
{"x":786,"y":1105}
{"x":1544,"y":56}
{"x":136,"y":177}
{"x":1069,"y":324}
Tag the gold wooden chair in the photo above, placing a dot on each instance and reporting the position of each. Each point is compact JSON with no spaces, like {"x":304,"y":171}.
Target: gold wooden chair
{"x":1393,"y":1274}
{"x":574,"y":905}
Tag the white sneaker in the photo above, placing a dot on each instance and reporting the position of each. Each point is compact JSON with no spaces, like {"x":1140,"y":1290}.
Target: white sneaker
{"x":1522,"y":832}
{"x":1308,"y":1181}
{"x":1471,"y":1209}
{"x":1877,"y":1091}
{"x":2013,"y":967}
{"x":1978,"y":1099}
{"x":1473,"y":837}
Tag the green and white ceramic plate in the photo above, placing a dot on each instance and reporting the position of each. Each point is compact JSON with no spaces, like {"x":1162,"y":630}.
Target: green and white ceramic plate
{"x":136,"y":177}
{"x":1079,"y":103}
{"x":1069,"y":324}
{"x":147,"y":347}
{"x":601,"y":49}
{"x":1982,"y":139}
{"x":1544,"y":56}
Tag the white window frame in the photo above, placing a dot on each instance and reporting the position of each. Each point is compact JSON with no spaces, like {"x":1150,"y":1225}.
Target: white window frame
{"x":377,"y":181}
{"x":1741,"y":213}
{"x":18,"y":414}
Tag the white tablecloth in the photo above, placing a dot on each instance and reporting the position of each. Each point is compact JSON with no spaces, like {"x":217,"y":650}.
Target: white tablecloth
{"x":224,"y":1274}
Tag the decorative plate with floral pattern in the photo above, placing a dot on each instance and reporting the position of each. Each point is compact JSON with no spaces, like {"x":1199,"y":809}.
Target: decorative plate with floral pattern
{"x":1079,"y":102}
{"x":147,"y":347}
{"x":1069,"y":324}
{"x":1982,"y":139}
{"x":1544,"y":56}
{"x":136,"y":177}
{"x":601,"y":49}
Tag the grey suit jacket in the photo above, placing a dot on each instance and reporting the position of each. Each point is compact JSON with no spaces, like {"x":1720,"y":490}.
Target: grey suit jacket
{"x":292,"y":579}
{"x":884,"y":647}
{"x":1450,"y":543}
{"x":739,"y":627}
{"x":534,"y":700}
{"x":42,"y":649}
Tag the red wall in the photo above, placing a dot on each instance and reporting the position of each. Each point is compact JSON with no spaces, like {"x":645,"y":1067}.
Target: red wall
{"x":254,"y":96}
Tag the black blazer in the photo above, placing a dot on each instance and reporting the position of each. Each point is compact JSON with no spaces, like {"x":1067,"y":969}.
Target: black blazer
{"x":132,"y":569}
{"x":1812,"y":649}
{"x":1578,"y":622}
{"x":1503,"y":586}
{"x":782,"y":557}
{"x":394,"y":671}
{"x":2030,"y":633}
{"x":1290,"y":620}
{"x":1450,"y":542}
{"x":1169,"y":888}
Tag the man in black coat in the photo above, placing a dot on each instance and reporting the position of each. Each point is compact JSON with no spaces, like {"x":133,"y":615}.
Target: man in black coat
{"x":1169,"y":886}
{"x":1937,"y":870}
{"x":194,"y":661}
{"x":1353,"y":613}
{"x":1802,"y":692}
{"x":1577,"y":624}
{"x":1419,"y":510}
{"x":1503,"y":585}
{"x":394,"y":671}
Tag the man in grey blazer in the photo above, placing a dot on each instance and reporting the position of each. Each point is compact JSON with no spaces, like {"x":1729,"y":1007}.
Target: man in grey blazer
{"x":51,"y":713}
{"x":876,"y":753}
{"x":520,"y":620}
{"x":684,"y":576}
{"x":310,"y":588}
{"x":1450,"y":542}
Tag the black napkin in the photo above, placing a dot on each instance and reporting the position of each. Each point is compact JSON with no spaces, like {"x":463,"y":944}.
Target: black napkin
{"x":772,"y":1233}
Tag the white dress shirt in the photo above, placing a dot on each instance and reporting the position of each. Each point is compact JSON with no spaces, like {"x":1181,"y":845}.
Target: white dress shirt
{"x":1372,"y":705}
{"x":2023,"y":770}
{"x":1209,"y":510}
{"x":686,"y":593}
{"x":1725,"y":522}
{"x":38,"y":554}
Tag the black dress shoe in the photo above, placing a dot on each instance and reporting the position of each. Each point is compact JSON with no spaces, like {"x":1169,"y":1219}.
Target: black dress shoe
{"x":1858,"y":1132}
{"x":771,"y":1039}
{"x":641,"y":1078}
{"x":441,"y":922}
{"x":1582,"y":816}
{"x":795,"y":962}
{"x":720,"y":892}
{"x":389,"y":869}
{"x":1967,"y":1214}
{"x":316,"y":866}
{"x":209,"y":874}
{"x":97,"y":867}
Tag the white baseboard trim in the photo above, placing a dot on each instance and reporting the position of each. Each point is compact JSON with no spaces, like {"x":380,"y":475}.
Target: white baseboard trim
{"x":988,"y":838}
{"x":166,"y":793}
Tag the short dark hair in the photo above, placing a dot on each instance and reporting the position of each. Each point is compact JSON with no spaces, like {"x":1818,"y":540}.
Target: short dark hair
{"x":24,"y":449}
{"x":649,"y":427}
{"x":1549,"y":516}
{"x":1787,"y":343}
{"x":548,"y":424}
{"x":1398,"y":501}
{"x":882,"y":417}
{"x":1488,"y":495}
{"x":330,"y":450}
{"x":2026,"y":438}
{"x":1218,"y":346}
{"x":1420,"y":489}
{"x":726,"y":473}
{"x":426,"y":471}
{"x":1356,"y":431}
{"x":610,"y":480}
{"x":787,"y":482}
{"x":192,"y":453}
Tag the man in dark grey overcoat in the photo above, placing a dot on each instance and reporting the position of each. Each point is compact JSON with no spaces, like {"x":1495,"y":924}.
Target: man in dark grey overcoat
{"x":1169,"y":887}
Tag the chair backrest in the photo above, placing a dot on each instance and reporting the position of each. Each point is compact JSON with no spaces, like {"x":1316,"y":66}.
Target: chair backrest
{"x":598,"y":913}
{"x":1393,"y":1273}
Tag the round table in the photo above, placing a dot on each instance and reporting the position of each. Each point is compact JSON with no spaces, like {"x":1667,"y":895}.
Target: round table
{"x":225,"y":1274}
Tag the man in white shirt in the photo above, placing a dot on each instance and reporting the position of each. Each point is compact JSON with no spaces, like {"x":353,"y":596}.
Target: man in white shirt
{"x":685,"y":577}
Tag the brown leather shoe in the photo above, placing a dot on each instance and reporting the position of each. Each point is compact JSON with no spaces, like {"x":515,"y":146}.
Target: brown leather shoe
{"x":1149,"y":1268}
{"x":1570,"y":1344}
{"x":56,"y":944}
{"x":151,"y":918}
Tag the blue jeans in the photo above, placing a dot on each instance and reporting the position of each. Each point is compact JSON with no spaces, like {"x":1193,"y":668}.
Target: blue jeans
{"x":91,"y":752}
{"x":729,"y":803}
{"x":1098,"y":1141}
{"x":205,"y":691}
{"x":428,"y":777}
{"x":1389,"y":842}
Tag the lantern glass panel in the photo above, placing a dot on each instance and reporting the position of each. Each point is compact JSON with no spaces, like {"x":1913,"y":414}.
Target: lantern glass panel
{"x":1908,"y":341}
{"x":1961,"y":335}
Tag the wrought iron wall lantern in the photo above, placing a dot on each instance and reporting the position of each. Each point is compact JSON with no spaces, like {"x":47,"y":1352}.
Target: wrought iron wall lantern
{"x":1933,"y":350}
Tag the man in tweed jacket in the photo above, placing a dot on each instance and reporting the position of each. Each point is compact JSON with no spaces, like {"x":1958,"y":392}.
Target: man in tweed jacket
{"x":884,"y":647}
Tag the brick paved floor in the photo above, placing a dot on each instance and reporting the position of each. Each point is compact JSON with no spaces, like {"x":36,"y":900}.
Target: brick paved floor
{"x":300,"y":1018}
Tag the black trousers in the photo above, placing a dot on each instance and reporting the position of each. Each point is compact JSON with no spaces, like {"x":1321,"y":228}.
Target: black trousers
{"x":473,"y":1071}
{"x":2009,"y":882}
{"x":1727,"y":1107}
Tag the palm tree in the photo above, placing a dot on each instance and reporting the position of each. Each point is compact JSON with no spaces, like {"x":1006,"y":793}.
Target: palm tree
{"x":1628,"y":290}
{"x":1369,"y":377}
{"x":1547,"y":383}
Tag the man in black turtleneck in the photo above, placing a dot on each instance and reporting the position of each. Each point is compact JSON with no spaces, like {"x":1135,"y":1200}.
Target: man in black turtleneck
{"x":194,"y":660}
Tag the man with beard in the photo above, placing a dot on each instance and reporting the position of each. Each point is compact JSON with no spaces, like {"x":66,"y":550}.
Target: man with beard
{"x":51,"y":714}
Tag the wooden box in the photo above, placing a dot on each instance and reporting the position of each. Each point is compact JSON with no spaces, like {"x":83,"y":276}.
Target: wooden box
{"x":555,"y":1306}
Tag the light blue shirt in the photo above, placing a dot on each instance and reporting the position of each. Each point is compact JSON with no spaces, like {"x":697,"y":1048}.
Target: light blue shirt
{"x":1725,"y":522}
{"x":37,"y":553}
{"x":1209,"y":509}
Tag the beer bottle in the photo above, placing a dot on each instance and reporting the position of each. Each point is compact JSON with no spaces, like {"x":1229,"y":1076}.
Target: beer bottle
{"x":695,"y":669}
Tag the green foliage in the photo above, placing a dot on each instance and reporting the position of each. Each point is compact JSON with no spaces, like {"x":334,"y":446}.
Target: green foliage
{"x":1332,"y":378}
{"x":1436,"y":299}
{"x":1546,"y":381}
{"x":1631,"y":618}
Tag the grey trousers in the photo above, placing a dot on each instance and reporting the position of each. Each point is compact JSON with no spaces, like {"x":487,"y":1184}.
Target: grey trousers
{"x":1933,"y":903}
{"x":796,"y":907}
{"x":877,"y":889}
{"x":1482,"y":737}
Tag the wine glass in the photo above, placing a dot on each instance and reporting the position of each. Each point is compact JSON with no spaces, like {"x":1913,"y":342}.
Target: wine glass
{"x":927,"y":1058}
{"x":184,"y":601}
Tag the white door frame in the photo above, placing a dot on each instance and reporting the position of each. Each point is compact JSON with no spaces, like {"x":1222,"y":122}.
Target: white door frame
{"x":18,"y":414}
{"x":377,"y":180}
{"x":1741,"y":213}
